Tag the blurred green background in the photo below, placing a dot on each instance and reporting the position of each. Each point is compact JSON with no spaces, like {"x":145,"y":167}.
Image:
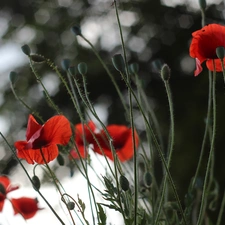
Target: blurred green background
{"x":155,"y":33}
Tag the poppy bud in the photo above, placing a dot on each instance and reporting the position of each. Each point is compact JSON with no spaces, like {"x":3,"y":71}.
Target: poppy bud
{"x":202,"y":4}
{"x":70,"y":205}
{"x":147,"y":179}
{"x":72,"y":71}
{"x":13,"y":77}
{"x":124,"y":183}
{"x":118,"y":63}
{"x":220,"y":52}
{"x":37,"y":58}
{"x":60,"y":160}
{"x":76,"y":30}
{"x":134,"y":68}
{"x":65,"y":64}
{"x":82,"y":68}
{"x":165,"y":72}
{"x":2,"y":190}
{"x":36,"y":183}
{"x":26,"y":49}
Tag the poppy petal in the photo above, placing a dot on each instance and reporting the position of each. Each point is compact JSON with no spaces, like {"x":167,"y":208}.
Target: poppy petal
{"x":198,"y":67}
{"x":56,"y":130}
{"x":32,"y":127}
{"x":218,"y":65}
{"x":25,"y":206}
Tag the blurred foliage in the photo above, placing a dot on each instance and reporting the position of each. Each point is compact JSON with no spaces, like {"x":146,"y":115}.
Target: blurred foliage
{"x":154,"y":34}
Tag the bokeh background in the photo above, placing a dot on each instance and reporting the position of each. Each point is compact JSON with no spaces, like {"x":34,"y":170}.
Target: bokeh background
{"x":155,"y":32}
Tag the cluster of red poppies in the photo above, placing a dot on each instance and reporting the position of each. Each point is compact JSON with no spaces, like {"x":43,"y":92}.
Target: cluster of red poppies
{"x":42,"y":140}
{"x":25,"y":206}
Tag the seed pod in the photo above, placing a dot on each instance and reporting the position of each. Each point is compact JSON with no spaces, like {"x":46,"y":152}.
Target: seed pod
{"x":70,"y":205}
{"x":165,"y":72}
{"x":124,"y":183}
{"x":36,"y":183}
{"x":118,"y":63}
{"x":134,"y":68}
{"x":60,"y":160}
{"x":65,"y":64}
{"x":26,"y":49}
{"x":13,"y":77}
{"x":82,"y":68}
{"x":76,"y":30}
{"x":147,"y":179}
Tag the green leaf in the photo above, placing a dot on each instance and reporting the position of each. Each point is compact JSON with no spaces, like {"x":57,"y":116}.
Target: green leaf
{"x":101,"y":214}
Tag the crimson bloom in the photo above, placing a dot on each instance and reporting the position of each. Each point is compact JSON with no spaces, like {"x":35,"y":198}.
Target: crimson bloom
{"x":203,"y":47}
{"x":43,"y":139}
{"x":5,"y":188}
{"x":82,"y":133}
{"x":122,"y":142}
{"x":25,"y":206}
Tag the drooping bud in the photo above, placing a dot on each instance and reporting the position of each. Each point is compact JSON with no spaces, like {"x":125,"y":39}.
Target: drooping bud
{"x":220,"y":52}
{"x":82,"y":68}
{"x":26,"y":49}
{"x":37,"y":58}
{"x":165,"y":72}
{"x":72,"y":70}
{"x":36,"y":183}
{"x":134,"y":68}
{"x":70,"y":205}
{"x":76,"y":30}
{"x":118,"y":63}
{"x":13,"y":77}
{"x":65,"y":64}
{"x":60,"y":160}
{"x":124,"y":183}
{"x":202,"y":4}
{"x":147,"y":179}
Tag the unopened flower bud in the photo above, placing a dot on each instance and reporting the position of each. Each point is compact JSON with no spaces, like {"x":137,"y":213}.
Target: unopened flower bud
{"x":220,"y":52}
{"x":72,"y":70}
{"x":36,"y":183}
{"x":82,"y":68}
{"x":76,"y":30}
{"x":202,"y":4}
{"x":118,"y":63}
{"x":65,"y":64}
{"x":134,"y":68}
{"x":147,"y":179}
{"x":60,"y":160}
{"x":124,"y":183}
{"x":165,"y":72}
{"x":13,"y":77}
{"x":70,"y":205}
{"x":26,"y":49}
{"x":37,"y":58}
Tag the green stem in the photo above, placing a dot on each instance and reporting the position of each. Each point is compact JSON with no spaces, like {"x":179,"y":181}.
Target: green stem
{"x":204,"y":191}
{"x":219,"y":219}
{"x":170,"y":149}
{"x":206,"y":130}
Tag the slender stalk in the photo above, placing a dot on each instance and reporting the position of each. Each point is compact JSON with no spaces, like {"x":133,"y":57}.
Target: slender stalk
{"x":220,"y":215}
{"x":55,"y":180}
{"x":131,"y":119}
{"x":208,"y":117}
{"x":52,"y":104}
{"x":204,"y":194}
{"x":170,"y":149}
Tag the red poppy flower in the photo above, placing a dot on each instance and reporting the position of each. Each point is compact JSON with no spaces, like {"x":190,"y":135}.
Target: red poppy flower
{"x":82,"y":132}
{"x":204,"y":44}
{"x":122,"y":142}
{"x":44,"y":138}
{"x":5,"y":188}
{"x":25,"y":206}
